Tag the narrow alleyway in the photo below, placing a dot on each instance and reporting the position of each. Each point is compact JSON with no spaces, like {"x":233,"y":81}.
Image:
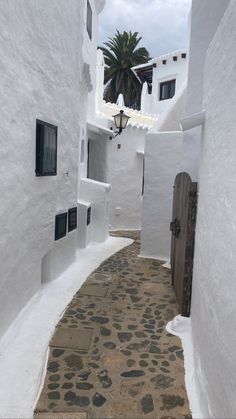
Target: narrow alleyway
{"x":110,"y":356}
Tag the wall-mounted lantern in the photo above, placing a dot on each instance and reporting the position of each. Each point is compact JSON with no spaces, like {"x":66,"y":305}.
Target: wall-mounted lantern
{"x":121,"y":120}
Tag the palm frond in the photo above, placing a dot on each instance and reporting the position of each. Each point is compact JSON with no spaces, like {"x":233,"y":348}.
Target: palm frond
{"x":120,"y":55}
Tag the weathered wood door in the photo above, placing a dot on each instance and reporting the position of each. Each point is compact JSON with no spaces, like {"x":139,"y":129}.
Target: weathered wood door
{"x":182,"y":240}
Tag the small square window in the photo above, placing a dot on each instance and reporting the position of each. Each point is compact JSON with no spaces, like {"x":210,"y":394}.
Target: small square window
{"x":89,"y":19}
{"x":72,"y":219}
{"x":60,"y":225}
{"x":88,"y":216}
{"x":167,"y":89}
{"x":46,"y":149}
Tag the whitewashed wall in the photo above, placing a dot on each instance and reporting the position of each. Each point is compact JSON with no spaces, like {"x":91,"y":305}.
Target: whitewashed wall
{"x":100,"y":65}
{"x":205,"y":15}
{"x":97,"y":166}
{"x":178,"y":70}
{"x":170,"y":120}
{"x":88,"y":76}
{"x":90,"y":55}
{"x":42,"y":76}
{"x":213,"y":311}
{"x":98,"y":194}
{"x":163,"y":160}
{"x":125,"y":173}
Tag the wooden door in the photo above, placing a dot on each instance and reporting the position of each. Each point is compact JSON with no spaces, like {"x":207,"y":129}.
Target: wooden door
{"x":182,"y":240}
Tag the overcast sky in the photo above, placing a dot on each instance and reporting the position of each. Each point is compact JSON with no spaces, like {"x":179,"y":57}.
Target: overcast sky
{"x":163,"y":24}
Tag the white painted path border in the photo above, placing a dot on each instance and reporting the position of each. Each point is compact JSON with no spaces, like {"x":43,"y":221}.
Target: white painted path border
{"x":23,"y":349}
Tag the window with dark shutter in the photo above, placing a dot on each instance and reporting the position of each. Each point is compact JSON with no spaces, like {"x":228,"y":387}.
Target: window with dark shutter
{"x":60,"y":225}
{"x":72,"y":219}
{"x":167,"y":89}
{"x":88,"y":216}
{"x":89,"y":19}
{"x":46,"y":149}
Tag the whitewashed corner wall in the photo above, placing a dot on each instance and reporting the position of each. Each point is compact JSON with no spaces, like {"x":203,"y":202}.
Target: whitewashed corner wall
{"x":213,"y":311}
{"x":170,"y":121}
{"x":125,"y":173}
{"x":205,"y":15}
{"x":98,"y":194}
{"x":42,"y":71}
{"x":163,"y":160}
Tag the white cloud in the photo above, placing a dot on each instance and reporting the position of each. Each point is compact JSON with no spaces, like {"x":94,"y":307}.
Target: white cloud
{"x":161,"y":23}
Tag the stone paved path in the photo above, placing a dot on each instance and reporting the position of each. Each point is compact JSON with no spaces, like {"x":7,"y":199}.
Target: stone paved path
{"x":111,"y":356}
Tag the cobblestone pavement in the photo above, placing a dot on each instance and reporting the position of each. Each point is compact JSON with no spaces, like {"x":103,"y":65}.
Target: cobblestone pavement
{"x":111,"y":356}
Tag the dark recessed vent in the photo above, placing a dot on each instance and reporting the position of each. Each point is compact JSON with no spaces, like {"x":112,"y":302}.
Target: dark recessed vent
{"x":164,"y":62}
{"x":175,"y":58}
{"x":72,"y":219}
{"x":88,"y":216}
{"x":89,"y":19}
{"x":46,"y":149}
{"x":60,"y":225}
{"x":183,"y":55}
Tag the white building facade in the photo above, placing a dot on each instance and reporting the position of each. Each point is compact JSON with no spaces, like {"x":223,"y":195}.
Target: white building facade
{"x":213,"y":313}
{"x":162,"y":79}
{"x":48,"y":74}
{"x":120,"y":162}
{"x":122,"y":159}
{"x":206,"y":150}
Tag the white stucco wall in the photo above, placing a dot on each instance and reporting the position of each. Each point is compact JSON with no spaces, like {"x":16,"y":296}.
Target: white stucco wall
{"x":121,"y":167}
{"x":90,"y":53}
{"x":205,"y":14}
{"x":98,"y":194}
{"x":170,"y":120}
{"x":125,"y":173}
{"x":167,"y":152}
{"x":163,"y":160}
{"x":42,"y":76}
{"x":164,"y":72}
{"x":165,"y":156}
{"x":100,"y":65}
{"x":213,"y":312}
{"x":97,"y":164}
{"x":177,"y":70}
{"x":205,"y":18}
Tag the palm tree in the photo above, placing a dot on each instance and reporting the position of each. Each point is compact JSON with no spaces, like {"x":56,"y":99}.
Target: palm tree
{"x":121,"y":54}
